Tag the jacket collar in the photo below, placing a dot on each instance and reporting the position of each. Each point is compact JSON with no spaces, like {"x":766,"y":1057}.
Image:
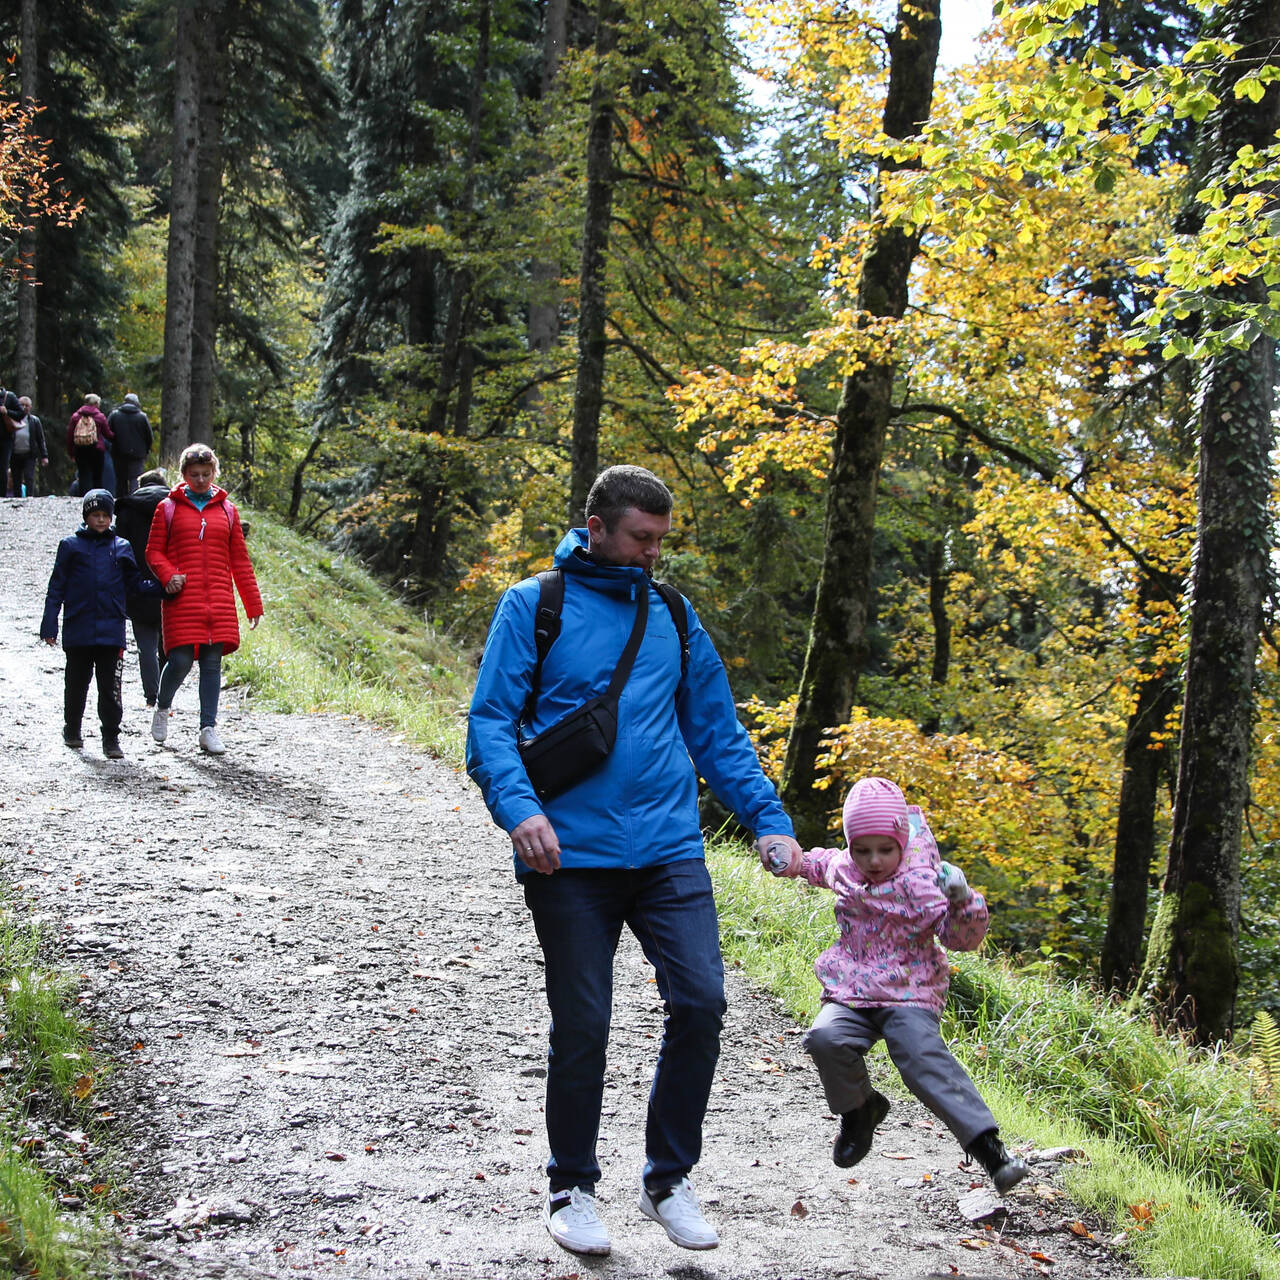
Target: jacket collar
{"x":572,"y":557}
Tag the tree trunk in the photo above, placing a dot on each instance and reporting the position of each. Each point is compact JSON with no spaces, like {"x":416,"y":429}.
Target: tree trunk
{"x":191,"y":51}
{"x":25,"y":369}
{"x":204,"y":311}
{"x":434,"y":518}
{"x":1146,"y":764}
{"x":838,"y":630}
{"x":1192,"y":967}
{"x":588,"y":397}
{"x":544,"y":305}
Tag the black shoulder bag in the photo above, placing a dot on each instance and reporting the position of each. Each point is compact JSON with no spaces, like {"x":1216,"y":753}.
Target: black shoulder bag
{"x":577,"y":744}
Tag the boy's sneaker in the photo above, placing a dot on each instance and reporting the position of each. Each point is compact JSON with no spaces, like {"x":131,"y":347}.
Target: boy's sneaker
{"x":1004,"y":1170}
{"x":676,"y":1209}
{"x":160,"y":723}
{"x":574,"y":1224}
{"x":111,"y":748}
{"x":857,"y":1128}
{"x":210,"y":742}
{"x":71,"y":736}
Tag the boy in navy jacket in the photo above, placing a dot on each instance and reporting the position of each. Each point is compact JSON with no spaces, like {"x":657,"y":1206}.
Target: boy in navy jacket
{"x":92,"y":575}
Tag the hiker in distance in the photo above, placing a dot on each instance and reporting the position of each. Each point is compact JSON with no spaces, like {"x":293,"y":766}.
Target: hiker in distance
{"x":605,"y":832}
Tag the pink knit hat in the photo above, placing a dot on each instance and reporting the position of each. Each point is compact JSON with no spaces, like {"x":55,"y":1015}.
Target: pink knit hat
{"x":875,"y":807}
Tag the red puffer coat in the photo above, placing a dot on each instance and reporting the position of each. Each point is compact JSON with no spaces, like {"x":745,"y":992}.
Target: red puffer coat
{"x":209,"y":548}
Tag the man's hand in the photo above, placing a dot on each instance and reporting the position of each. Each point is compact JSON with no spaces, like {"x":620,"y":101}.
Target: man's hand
{"x":779,"y":854}
{"x":537,"y":845}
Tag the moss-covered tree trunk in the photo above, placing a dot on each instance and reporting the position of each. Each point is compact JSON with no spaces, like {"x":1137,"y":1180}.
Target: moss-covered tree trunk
{"x":838,"y":630}
{"x":1146,"y":764}
{"x":1192,"y":966}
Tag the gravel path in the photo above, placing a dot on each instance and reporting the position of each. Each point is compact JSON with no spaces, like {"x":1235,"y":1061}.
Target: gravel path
{"x":315,"y":975}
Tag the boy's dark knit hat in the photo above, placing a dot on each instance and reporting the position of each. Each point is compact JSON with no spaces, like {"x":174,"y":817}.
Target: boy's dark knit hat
{"x":98,"y":500}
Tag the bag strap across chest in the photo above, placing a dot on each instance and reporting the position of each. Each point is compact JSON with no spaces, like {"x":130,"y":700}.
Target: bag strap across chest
{"x":546,"y":628}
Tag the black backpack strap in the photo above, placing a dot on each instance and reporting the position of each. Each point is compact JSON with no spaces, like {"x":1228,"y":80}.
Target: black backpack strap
{"x":546,"y":629}
{"x":680,"y":616}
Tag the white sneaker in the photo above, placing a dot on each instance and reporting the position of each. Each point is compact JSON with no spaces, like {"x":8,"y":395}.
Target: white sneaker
{"x":574,"y":1224}
{"x":160,"y":723}
{"x":210,"y":742}
{"x":679,"y":1214}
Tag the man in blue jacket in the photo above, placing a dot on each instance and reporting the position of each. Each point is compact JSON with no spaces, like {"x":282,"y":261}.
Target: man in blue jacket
{"x":622,"y":846}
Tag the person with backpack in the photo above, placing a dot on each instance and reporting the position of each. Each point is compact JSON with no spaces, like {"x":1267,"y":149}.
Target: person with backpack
{"x":134,"y":513}
{"x":196,"y":550}
{"x":131,"y":439}
{"x":605,"y":832}
{"x":87,"y":438}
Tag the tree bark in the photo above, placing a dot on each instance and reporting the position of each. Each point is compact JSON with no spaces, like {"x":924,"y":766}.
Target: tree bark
{"x":588,"y":398}
{"x":544,"y":306}
{"x":838,"y":630}
{"x":1192,"y":966}
{"x":1145,"y":765}
{"x":25,"y":370}
{"x":204,"y":310}
{"x":190,"y":51}
{"x":434,"y":515}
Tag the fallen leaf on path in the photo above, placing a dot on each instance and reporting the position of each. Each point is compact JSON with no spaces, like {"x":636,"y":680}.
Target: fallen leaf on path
{"x":1079,"y":1229}
{"x":897,"y":1155}
{"x":970,"y":1243}
{"x":798,"y":1210}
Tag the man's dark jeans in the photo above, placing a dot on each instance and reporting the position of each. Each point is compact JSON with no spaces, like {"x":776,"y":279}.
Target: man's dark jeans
{"x":578,"y":915}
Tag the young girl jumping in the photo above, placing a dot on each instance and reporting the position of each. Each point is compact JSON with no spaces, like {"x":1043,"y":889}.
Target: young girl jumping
{"x":897,"y":905}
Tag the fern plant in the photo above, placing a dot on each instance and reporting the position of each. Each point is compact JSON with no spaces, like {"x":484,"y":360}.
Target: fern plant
{"x":1265,"y":1061}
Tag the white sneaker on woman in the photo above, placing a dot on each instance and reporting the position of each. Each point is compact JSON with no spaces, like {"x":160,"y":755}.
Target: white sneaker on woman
{"x":160,"y":723}
{"x":210,"y":742}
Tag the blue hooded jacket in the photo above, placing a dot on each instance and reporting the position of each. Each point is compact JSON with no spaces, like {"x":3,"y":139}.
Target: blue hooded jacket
{"x":640,"y":808}
{"x":92,"y":575}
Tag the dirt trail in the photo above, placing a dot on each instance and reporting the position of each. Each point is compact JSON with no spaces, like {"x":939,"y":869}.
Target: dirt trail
{"x":313,"y":969}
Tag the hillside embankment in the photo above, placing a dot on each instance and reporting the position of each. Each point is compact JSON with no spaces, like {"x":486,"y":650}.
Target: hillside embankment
{"x":315,"y":976}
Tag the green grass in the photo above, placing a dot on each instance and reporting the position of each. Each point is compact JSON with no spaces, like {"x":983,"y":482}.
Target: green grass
{"x":1182,"y":1157}
{"x":47,"y":1057}
{"x":334,"y":640}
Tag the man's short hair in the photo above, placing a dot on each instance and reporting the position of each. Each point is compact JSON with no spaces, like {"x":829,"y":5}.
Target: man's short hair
{"x":617,"y":489}
{"x":154,"y":476}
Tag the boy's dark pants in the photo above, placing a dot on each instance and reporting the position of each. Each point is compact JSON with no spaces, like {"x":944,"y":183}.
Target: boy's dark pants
{"x":84,"y":661}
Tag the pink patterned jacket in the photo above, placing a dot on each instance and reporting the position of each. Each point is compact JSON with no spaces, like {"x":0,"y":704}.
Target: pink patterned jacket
{"x":892,"y":934}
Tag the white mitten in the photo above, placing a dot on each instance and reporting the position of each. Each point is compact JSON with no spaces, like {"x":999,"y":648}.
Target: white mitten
{"x":952,"y":882}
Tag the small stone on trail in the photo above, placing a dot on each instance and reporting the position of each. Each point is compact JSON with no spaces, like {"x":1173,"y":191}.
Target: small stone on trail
{"x":980,"y":1205}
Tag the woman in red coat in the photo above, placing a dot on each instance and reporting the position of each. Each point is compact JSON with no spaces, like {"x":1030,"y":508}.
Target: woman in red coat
{"x":196,"y":549}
